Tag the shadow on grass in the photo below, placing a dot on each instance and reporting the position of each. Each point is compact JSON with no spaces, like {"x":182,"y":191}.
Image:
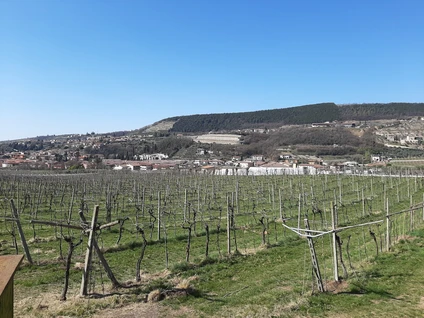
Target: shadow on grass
{"x":101,"y":296}
{"x":199,"y":294}
{"x":362,"y":290}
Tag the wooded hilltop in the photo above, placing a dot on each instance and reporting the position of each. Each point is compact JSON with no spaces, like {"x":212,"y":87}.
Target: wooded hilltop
{"x":308,"y":114}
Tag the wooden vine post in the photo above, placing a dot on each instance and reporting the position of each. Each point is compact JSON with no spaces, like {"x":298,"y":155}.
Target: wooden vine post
{"x":159,"y":218}
{"x":411,"y":215}
{"x":310,"y":234}
{"x":94,"y":245}
{"x":387,"y":225}
{"x":207,"y":240}
{"x":280,"y":201}
{"x":89,"y":253}
{"x":21,"y":232}
{"x":334,"y":236}
{"x":315,"y":265}
{"x":185,"y":205}
{"x":228,"y":227}
{"x":298,"y":212}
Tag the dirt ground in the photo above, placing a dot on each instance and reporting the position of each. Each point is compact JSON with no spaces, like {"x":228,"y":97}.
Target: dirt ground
{"x":48,"y":305}
{"x":151,"y":310}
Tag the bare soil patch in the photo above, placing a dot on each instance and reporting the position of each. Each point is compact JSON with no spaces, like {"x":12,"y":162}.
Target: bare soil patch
{"x":336,"y":287}
{"x":151,"y":310}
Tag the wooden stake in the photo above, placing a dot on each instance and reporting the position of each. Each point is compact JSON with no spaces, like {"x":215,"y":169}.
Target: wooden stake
{"x":105,"y":265}
{"x":159,"y":224}
{"x":228,"y":227}
{"x":102,"y":259}
{"x":298,"y":217}
{"x":89,"y":253}
{"x":411,"y":215}
{"x":315,"y":265}
{"x":335,"y":262}
{"x":207,"y":241}
{"x":281,"y":208}
{"x":185,"y":206}
{"x":21,"y":232}
{"x":387,"y":226}
{"x":237,"y":198}
{"x":71,"y":206}
{"x":385,"y":195}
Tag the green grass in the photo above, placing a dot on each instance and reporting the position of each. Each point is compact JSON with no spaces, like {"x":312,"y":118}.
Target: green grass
{"x":389,"y":285}
{"x":259,"y":280}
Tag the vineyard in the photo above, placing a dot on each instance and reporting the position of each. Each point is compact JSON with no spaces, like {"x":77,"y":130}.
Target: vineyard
{"x":103,"y":234}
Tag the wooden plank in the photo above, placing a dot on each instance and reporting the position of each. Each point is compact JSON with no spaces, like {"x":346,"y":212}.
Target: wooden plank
{"x":8,"y":267}
{"x":6,"y":301}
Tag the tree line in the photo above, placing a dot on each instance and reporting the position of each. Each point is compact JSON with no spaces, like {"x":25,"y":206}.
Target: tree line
{"x":308,"y":114}
{"x":274,"y":117}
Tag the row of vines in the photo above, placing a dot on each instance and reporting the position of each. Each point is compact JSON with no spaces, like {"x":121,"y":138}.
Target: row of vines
{"x":165,"y":220}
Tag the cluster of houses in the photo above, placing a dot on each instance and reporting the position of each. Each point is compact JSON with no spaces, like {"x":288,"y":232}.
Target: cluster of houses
{"x":328,"y":124}
{"x":288,"y":164}
{"x":406,"y":140}
{"x":81,"y":141}
{"x":402,"y":133}
{"x":145,"y":165}
{"x":45,"y":165}
{"x":45,"y":160}
{"x":255,"y":165}
{"x":252,"y":166}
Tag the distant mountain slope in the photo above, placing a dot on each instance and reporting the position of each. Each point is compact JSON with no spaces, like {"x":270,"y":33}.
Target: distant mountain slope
{"x":381,"y":111}
{"x":293,"y":116}
{"x":274,"y":117}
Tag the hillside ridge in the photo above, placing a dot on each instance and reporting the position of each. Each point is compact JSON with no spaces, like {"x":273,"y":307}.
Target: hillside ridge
{"x":297,"y":115}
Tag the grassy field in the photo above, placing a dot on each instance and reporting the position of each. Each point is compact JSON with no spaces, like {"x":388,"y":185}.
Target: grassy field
{"x":268,"y":270}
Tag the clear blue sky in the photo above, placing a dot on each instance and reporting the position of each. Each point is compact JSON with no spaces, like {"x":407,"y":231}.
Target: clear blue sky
{"x":71,"y":66}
